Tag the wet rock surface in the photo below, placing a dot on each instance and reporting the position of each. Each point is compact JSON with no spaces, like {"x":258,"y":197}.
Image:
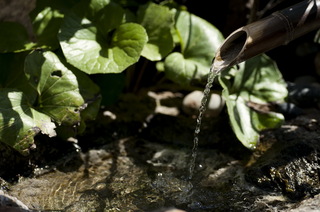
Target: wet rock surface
{"x":291,"y":164}
{"x":121,"y":179}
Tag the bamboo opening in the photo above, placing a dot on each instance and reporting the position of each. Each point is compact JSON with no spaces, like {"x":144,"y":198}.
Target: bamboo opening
{"x":230,"y":51}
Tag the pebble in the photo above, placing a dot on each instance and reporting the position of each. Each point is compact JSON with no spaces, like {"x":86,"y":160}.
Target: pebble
{"x":192,"y":102}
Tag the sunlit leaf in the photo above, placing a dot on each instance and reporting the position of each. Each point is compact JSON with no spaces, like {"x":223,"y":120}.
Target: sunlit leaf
{"x":259,"y":81}
{"x":158,"y":21}
{"x":247,"y":123}
{"x":19,"y":122}
{"x":46,"y":25}
{"x":104,"y":45}
{"x":97,"y":5}
{"x":108,"y":18}
{"x":60,"y":95}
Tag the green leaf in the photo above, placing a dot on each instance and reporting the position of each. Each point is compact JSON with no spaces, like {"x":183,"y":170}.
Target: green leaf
{"x":241,"y":120}
{"x":261,"y":79}
{"x":199,"y":41}
{"x":182,"y":70}
{"x":14,"y":38}
{"x":95,"y":6}
{"x":46,"y":25}
{"x":90,"y":92}
{"x":63,"y":95}
{"x":106,"y":16}
{"x":19,"y":122}
{"x":260,"y":82}
{"x":158,"y":21}
{"x":86,"y":45}
{"x":247,"y":123}
{"x":199,"y":38}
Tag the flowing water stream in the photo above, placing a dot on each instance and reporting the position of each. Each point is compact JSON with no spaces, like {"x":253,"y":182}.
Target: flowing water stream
{"x":215,"y":69}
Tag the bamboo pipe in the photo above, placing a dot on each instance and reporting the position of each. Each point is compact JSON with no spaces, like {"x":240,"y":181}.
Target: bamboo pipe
{"x":277,"y":29}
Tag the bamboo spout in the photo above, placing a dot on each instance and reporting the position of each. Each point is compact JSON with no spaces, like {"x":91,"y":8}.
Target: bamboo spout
{"x":277,"y":29}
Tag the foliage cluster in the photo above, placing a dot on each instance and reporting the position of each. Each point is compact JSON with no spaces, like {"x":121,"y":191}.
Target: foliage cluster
{"x":45,"y":81}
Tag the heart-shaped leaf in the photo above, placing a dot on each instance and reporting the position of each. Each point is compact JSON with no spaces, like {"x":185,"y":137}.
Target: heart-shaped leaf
{"x":102,"y":45}
{"x":199,"y":41}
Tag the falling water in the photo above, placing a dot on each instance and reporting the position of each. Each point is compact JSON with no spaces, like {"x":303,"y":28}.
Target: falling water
{"x":214,"y":71}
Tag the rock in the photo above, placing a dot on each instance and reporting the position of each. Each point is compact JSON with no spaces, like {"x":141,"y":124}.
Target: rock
{"x":192,"y":101}
{"x":291,"y":164}
{"x":291,"y":169}
{"x":304,"y":95}
{"x":308,"y":205}
{"x":164,"y":97}
{"x":11,"y":204}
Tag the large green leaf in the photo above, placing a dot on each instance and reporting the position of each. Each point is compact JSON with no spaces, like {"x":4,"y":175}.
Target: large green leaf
{"x":258,"y":81}
{"x":158,"y":21}
{"x":19,"y":122}
{"x":199,"y":41}
{"x":14,"y":38}
{"x":103,"y":45}
{"x":63,"y":95}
